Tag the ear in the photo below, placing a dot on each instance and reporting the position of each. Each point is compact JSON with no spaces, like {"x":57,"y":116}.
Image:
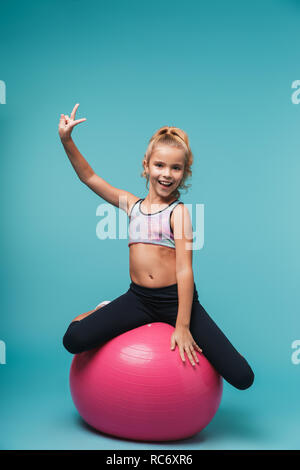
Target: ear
{"x":145,"y":165}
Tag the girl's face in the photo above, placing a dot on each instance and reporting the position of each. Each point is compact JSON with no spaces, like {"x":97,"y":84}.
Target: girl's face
{"x":166,"y":164}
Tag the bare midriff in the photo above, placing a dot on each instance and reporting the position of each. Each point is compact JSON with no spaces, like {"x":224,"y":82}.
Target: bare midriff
{"x":152,"y":265}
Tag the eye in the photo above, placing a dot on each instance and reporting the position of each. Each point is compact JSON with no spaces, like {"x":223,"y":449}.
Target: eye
{"x":158,"y":164}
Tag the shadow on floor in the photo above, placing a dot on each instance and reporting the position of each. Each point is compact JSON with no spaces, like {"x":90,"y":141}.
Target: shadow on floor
{"x":229,"y":422}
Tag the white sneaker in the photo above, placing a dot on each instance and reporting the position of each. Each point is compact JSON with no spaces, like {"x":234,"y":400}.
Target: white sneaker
{"x":105,"y":302}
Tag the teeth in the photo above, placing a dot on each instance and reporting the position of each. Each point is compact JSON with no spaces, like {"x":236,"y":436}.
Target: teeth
{"x":165,"y":184}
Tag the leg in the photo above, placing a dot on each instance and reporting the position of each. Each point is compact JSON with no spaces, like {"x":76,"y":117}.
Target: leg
{"x":227,"y":361}
{"x":120,"y":315}
{"x":83,"y":315}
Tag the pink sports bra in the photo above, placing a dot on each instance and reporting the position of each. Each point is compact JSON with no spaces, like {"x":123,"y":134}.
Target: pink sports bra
{"x":152,"y":228}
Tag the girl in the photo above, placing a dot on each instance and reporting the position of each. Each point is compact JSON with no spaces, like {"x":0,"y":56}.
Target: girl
{"x":162,"y":287}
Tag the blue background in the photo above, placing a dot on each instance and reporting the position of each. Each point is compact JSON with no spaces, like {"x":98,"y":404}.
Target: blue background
{"x":222,"y":71}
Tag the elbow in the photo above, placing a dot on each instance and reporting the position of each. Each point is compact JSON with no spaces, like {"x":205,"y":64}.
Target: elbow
{"x":84,"y":178}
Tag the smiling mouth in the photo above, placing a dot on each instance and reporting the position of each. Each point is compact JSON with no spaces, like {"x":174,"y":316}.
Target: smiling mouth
{"x":165,"y":185}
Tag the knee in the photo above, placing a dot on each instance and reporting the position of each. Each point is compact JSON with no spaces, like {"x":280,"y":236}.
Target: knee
{"x":245,"y":379}
{"x":72,"y":339}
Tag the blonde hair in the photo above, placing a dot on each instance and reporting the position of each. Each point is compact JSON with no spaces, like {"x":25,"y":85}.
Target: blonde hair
{"x":174,"y":137}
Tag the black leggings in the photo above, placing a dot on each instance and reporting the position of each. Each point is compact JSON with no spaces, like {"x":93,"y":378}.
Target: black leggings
{"x":141,"y":305}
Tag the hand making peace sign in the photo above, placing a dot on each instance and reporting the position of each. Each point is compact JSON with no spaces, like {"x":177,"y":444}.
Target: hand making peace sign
{"x":66,"y":124}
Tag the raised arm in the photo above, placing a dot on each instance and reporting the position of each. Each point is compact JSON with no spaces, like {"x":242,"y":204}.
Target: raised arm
{"x":84,"y":171}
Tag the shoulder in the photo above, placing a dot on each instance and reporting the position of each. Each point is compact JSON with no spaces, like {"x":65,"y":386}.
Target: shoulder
{"x":180,"y":213}
{"x":132,"y":200}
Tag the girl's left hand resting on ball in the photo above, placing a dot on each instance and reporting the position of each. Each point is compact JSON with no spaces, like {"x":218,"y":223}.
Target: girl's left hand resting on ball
{"x":186,"y":343}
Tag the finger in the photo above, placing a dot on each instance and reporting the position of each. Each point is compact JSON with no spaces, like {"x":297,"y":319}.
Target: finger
{"x":66,"y":118}
{"x":198,"y":348}
{"x":190,"y":356}
{"x":182,"y":354}
{"x":195,"y":355}
{"x":78,"y":121}
{"x":74,"y":111}
{"x":62,"y":121}
{"x":194,"y":352}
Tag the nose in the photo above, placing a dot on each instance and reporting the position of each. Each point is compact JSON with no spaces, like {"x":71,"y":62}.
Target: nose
{"x":166,"y":173}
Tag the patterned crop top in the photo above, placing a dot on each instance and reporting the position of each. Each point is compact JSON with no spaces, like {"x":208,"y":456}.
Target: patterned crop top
{"x":152,"y":228}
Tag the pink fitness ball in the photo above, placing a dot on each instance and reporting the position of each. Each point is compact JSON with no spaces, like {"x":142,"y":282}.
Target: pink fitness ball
{"x":135,"y":387}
